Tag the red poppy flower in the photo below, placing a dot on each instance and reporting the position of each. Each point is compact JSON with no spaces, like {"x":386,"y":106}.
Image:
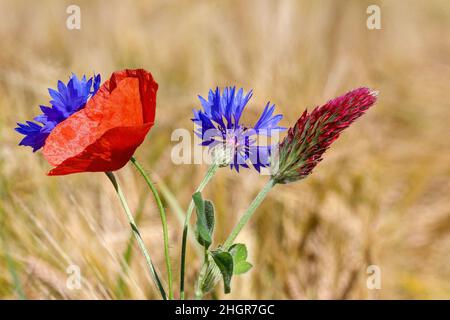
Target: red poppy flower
{"x":104,"y":135}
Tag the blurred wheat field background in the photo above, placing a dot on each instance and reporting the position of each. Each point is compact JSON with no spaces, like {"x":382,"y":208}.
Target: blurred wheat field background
{"x":380,"y":197}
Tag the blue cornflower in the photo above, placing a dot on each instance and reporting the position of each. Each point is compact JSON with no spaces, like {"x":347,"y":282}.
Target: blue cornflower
{"x":220,"y":124}
{"x":67,"y":100}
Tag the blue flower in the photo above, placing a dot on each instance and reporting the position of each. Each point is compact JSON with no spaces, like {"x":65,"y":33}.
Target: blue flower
{"x":67,"y":100}
{"x":220,"y":124}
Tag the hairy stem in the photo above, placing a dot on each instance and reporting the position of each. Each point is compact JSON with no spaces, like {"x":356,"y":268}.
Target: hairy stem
{"x":179,"y":212}
{"x":162,"y":214}
{"x":210,"y":274}
{"x":248,"y":214}
{"x":209,"y":174}
{"x":137,"y":235}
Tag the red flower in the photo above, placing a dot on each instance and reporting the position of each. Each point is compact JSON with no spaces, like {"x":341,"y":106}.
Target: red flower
{"x":303,"y":147}
{"x":104,"y":135}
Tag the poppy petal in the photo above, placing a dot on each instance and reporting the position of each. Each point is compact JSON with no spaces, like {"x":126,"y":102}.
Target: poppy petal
{"x":108,"y":153}
{"x":147,"y":89}
{"x":124,"y":104}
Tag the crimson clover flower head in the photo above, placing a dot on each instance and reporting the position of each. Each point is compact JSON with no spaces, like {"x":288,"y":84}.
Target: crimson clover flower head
{"x":66,"y":100}
{"x":219,"y":124}
{"x":303,"y":147}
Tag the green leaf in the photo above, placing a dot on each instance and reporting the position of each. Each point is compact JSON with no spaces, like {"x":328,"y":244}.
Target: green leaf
{"x":205,"y":220}
{"x":239,"y":254}
{"x":224,"y":261}
{"x":242,"y":267}
{"x":198,"y":201}
{"x":209,"y":216}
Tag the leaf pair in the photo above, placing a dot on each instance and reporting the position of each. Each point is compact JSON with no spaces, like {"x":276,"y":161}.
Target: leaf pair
{"x":232,"y":261}
{"x":205,"y":220}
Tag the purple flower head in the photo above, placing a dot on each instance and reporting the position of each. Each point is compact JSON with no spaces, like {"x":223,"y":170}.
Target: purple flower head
{"x":220,"y":124}
{"x":313,"y":133}
{"x":66,"y":100}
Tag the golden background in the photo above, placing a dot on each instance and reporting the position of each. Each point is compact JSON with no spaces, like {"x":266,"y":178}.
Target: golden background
{"x":380,"y":197}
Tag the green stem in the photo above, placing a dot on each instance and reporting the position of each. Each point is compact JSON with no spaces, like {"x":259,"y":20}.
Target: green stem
{"x":210,"y":273}
{"x":201,"y":276}
{"x":137,"y":235}
{"x":127,"y":254}
{"x":162,"y":214}
{"x":248,"y":214}
{"x":209,"y":174}
{"x":173,"y":203}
